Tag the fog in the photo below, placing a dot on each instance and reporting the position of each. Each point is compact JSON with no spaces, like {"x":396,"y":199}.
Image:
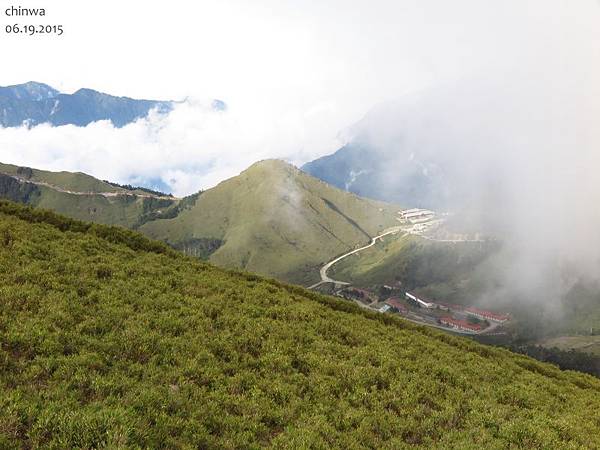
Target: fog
{"x":193,"y":147}
{"x":521,"y":163}
{"x":517,"y":156}
{"x":295,"y":75}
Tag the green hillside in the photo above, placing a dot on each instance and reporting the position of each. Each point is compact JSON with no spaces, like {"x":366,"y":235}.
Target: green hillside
{"x":71,"y":181}
{"x":275,"y":220}
{"x":81,"y":196}
{"x":445,"y":271}
{"x":110,"y":340}
{"x":272,"y":219}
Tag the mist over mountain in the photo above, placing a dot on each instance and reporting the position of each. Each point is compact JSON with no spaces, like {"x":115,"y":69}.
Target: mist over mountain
{"x":514,"y":160}
{"x":36,"y":103}
{"x":392,"y":154}
{"x":363,"y":169}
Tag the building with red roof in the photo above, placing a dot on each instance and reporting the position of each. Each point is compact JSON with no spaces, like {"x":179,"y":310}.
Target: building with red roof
{"x":396,"y":303}
{"x":461,"y":324}
{"x":486,"y":315}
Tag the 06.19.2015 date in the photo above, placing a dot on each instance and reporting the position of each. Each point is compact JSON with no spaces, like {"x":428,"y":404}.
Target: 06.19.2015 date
{"x":31,"y":30}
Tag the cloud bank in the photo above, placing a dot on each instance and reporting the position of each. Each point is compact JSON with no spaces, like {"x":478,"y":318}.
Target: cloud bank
{"x":194,"y":147}
{"x":519,"y":152}
{"x":294,"y":74}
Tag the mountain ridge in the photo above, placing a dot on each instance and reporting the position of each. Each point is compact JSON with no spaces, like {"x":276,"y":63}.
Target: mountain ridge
{"x":272,"y":212}
{"x":80,"y":196}
{"x":32,"y":90}
{"x":34,"y":103}
{"x":271,"y":218}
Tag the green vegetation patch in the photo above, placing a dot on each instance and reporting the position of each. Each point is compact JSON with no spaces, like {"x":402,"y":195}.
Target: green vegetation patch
{"x":108,"y":339}
{"x":72,"y":181}
{"x":445,"y":270}
{"x":275,"y":220}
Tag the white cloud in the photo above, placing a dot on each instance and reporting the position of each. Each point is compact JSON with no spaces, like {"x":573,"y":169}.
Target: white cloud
{"x":192,"y":148}
{"x":295,"y":74}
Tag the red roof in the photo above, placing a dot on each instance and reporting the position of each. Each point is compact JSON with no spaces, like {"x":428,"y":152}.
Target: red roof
{"x":484,"y":313}
{"x":395,"y":303}
{"x":461,"y":324}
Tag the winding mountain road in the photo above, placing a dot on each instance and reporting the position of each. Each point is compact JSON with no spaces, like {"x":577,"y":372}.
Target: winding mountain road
{"x":414,"y":230}
{"x":326,"y":267}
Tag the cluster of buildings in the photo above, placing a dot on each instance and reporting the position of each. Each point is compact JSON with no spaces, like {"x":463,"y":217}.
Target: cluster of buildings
{"x":471,"y":311}
{"x":459,"y":321}
{"x":482,"y":314}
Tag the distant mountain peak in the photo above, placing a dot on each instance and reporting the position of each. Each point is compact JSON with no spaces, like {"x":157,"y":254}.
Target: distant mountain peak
{"x":34,"y":103}
{"x":32,"y":91}
{"x":87,"y":91}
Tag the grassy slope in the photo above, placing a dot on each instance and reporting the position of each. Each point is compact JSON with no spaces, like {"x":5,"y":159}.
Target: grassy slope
{"x":276,"y":220}
{"x":585,"y":344}
{"x":272,"y":218}
{"x":71,"y":181}
{"x":107,"y":339}
{"x":125,"y":210}
{"x":446,"y":271}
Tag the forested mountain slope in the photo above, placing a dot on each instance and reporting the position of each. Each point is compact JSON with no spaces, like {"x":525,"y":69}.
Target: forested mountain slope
{"x":108,"y":339}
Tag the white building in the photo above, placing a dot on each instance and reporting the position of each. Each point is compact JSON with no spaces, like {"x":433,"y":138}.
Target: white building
{"x":421,"y":302}
{"x":416,"y":215}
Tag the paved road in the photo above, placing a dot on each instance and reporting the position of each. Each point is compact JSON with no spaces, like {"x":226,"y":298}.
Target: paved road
{"x":412,"y":230}
{"x":326,"y":267}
